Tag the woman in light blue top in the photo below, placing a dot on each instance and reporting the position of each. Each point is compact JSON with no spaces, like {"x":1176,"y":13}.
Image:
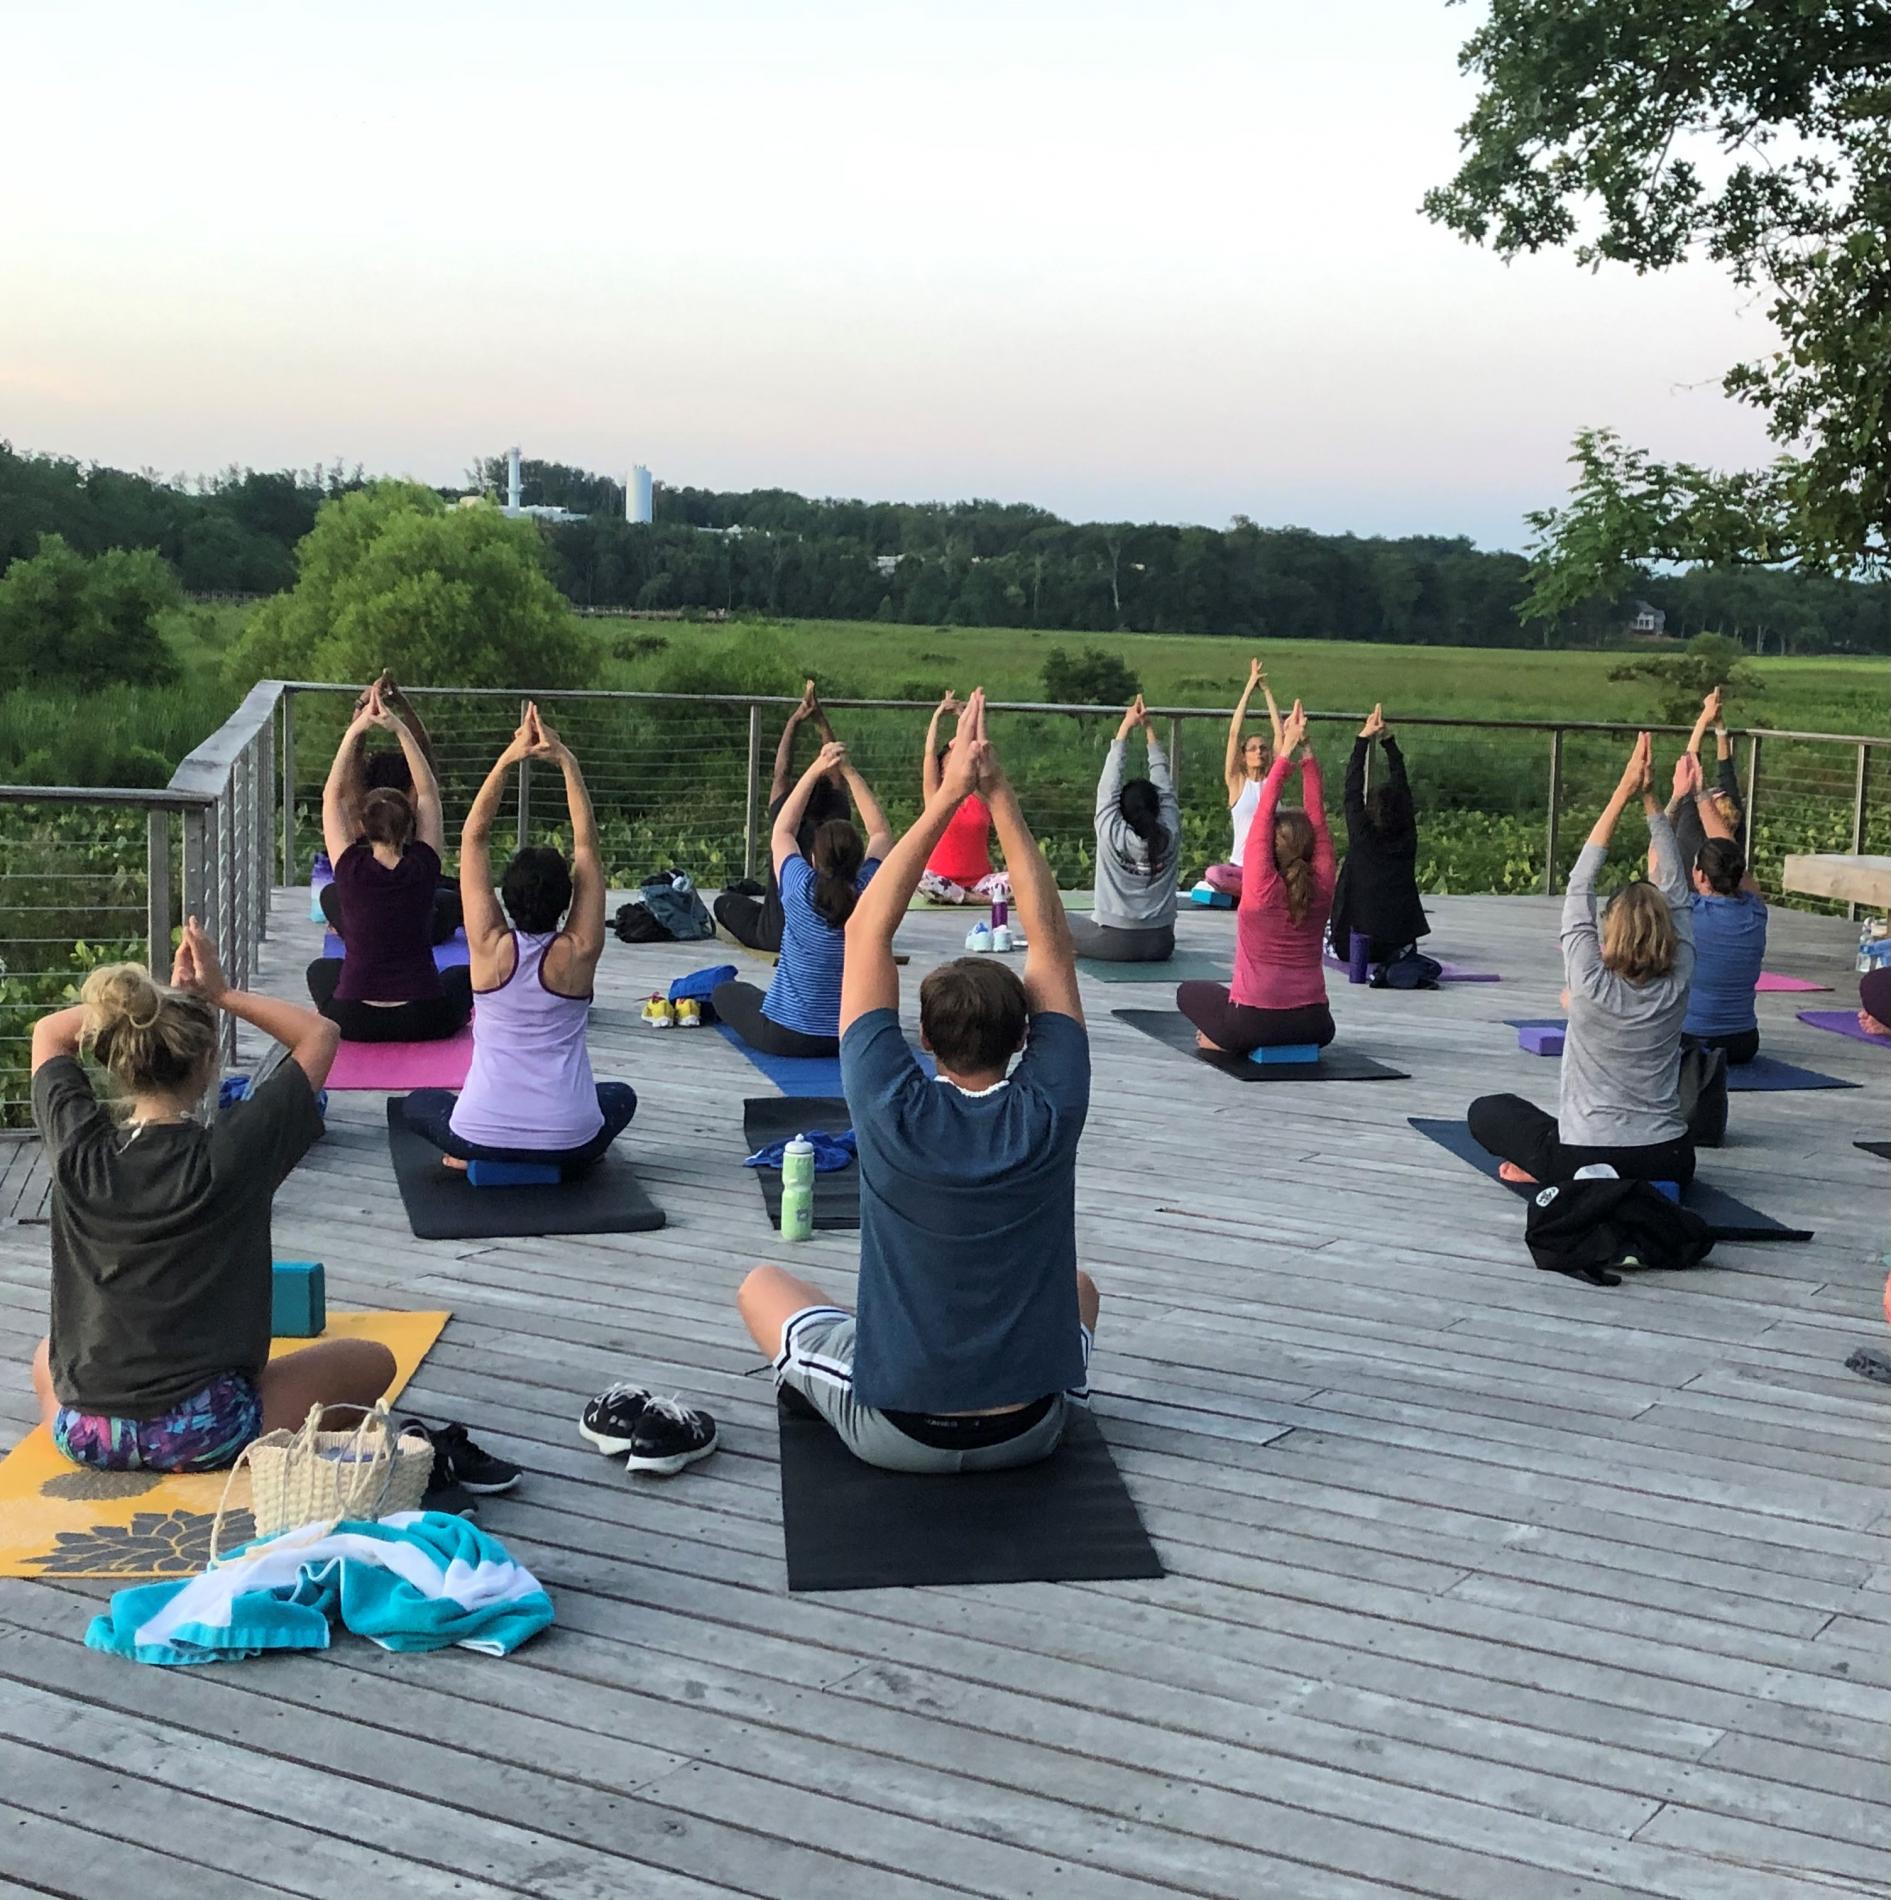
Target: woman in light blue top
{"x":800,"y":1015}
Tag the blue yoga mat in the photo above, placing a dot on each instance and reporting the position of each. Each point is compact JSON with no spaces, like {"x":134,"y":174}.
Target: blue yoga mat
{"x":804,"y":1075}
{"x":1763,"y":1074}
{"x":452,"y":954}
{"x":1729,"y":1217}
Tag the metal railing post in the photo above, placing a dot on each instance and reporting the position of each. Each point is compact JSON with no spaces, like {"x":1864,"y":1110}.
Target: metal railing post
{"x":1858,"y":814}
{"x":749,"y":798}
{"x":157,"y":891}
{"x":1175,"y":755}
{"x":288,"y":785}
{"x":262,"y":811}
{"x":1747,"y":830}
{"x":525,"y":786}
{"x":1552,"y":829}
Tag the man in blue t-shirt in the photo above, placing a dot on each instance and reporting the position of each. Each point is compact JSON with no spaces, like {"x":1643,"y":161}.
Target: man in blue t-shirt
{"x":973,"y":1335}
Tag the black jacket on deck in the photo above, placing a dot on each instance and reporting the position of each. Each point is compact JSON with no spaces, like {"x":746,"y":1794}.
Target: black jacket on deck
{"x":1377,"y":892}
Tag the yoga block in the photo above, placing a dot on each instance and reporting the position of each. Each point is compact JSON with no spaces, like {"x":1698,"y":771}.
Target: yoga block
{"x":1672,"y":1189}
{"x":1289,"y":1052}
{"x":1211,"y":900}
{"x":1537,"y":1041}
{"x":488,"y":1174}
{"x":298,"y":1299}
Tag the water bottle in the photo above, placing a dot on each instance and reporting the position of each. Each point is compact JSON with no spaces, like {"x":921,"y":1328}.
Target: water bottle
{"x":321,"y":872}
{"x":1866,"y":931}
{"x":1000,"y":914}
{"x":797,"y":1189}
{"x":1358,"y":956}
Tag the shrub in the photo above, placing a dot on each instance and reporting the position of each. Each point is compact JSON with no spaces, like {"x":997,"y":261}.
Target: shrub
{"x":1091,"y":678}
{"x":66,"y":620}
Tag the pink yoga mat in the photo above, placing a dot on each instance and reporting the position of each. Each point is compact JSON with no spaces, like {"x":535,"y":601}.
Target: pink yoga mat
{"x":1842,"y":1022}
{"x":399,"y":1066}
{"x":1795,"y":984}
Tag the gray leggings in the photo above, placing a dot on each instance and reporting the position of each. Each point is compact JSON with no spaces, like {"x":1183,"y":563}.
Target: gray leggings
{"x":1112,"y":943}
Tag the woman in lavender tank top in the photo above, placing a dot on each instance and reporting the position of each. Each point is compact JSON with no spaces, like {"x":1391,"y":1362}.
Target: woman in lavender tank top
{"x":530,"y":1095}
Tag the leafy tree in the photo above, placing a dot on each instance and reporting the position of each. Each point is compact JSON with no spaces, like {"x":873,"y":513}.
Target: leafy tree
{"x":1753,"y":134}
{"x":1090,"y":678}
{"x":1687,"y":678}
{"x":85,"y":623}
{"x":391,"y":576}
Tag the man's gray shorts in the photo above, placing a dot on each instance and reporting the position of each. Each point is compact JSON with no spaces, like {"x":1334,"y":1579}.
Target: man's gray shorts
{"x":817,"y":1360}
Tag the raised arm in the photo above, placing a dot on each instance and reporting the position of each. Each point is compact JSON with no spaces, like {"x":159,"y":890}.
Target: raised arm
{"x":1582,"y":948}
{"x":929,"y":758}
{"x":784,"y":746}
{"x":1714,"y":824}
{"x":784,"y":842}
{"x":1110,"y":779}
{"x":1394,"y":762}
{"x":485,"y":920}
{"x":1687,"y":787}
{"x":1259,"y":871}
{"x":1353,"y":795}
{"x":584,"y":921}
{"x":429,"y":824}
{"x":1313,"y":801}
{"x":310,"y":1039}
{"x":872,"y":813}
{"x":396,"y":701}
{"x":341,"y":792}
{"x":1231,"y":768}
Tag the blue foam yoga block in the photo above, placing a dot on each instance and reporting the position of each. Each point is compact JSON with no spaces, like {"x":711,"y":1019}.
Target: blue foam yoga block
{"x":487,"y":1174}
{"x":298,"y":1299}
{"x":1300,"y":1052}
{"x":1539,"y":1039}
{"x":1672,"y":1189}
{"x":1211,"y":900}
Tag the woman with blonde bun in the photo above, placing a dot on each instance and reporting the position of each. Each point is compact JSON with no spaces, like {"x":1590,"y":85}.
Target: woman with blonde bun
{"x":158,"y":1356}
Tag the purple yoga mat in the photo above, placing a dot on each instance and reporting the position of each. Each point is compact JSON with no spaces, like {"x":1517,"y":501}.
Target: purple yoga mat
{"x":451,"y":955}
{"x":1794,"y":985}
{"x":400,"y":1066}
{"x":1842,"y":1022}
{"x":1452,"y":972}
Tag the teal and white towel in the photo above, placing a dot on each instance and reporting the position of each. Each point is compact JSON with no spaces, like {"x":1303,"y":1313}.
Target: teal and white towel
{"x":415,"y":1581}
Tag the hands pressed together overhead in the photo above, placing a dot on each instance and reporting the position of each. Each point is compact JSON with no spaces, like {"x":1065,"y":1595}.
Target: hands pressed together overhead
{"x":195,"y":967}
{"x":1293,"y":730}
{"x":1375,"y":724}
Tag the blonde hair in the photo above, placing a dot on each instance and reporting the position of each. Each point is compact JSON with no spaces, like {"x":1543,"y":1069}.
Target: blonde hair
{"x":1293,"y":851}
{"x":1638,"y":940}
{"x":147,"y":1036}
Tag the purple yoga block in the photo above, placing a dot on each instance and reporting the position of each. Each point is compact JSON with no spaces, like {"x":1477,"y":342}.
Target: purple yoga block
{"x":485,"y":1174}
{"x":1287,"y":1052}
{"x":1537,"y":1041}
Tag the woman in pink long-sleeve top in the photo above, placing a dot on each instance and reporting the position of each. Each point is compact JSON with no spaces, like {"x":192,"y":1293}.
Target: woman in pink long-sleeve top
{"x":1279,"y":990}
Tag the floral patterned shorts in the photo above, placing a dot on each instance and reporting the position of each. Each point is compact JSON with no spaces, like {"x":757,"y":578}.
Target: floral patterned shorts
{"x":201,"y":1433}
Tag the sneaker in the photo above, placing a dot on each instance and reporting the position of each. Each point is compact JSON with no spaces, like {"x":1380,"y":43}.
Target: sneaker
{"x":452,"y":1500}
{"x":610,"y":1420}
{"x":689,"y":1013}
{"x":668,"y":1436}
{"x":458,"y":1461}
{"x":657,"y":1013}
{"x":978,"y":937}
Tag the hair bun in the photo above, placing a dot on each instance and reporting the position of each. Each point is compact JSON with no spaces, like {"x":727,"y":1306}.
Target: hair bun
{"x":124,"y":993}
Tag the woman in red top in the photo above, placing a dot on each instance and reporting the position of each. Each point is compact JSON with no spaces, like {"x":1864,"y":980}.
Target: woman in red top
{"x":1287,"y":876}
{"x":961,"y":861}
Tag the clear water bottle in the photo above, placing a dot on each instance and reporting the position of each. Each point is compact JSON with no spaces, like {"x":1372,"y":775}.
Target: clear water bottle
{"x":797,"y":1189}
{"x":1866,"y":931}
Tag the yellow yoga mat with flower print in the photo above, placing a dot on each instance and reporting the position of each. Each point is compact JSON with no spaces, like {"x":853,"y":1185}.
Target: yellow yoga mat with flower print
{"x":58,"y":1519}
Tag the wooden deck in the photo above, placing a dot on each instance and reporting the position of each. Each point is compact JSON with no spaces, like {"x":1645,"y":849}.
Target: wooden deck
{"x":1483,"y":1583}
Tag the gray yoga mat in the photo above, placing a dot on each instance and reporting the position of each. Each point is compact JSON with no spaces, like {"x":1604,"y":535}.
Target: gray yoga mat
{"x":1336,"y":1064}
{"x":1178,"y":969}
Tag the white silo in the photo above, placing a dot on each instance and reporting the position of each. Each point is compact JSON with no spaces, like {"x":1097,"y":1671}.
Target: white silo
{"x":639,"y":496}
{"x":514,"y":489}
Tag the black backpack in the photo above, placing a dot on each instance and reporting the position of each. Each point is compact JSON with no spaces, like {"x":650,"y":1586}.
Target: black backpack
{"x":666,"y":909}
{"x":1589,"y":1229}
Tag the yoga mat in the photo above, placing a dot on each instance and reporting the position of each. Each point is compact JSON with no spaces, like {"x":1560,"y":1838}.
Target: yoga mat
{"x":400,"y":1066}
{"x":1763,"y":1075}
{"x":851,"y":1526}
{"x":1730,"y":1219}
{"x":451,"y":955}
{"x":767,"y":1119}
{"x":1072,"y":900}
{"x":442,"y":1204}
{"x":1178,"y":969}
{"x":1794,"y":984}
{"x":1882,"y":1149}
{"x":58,"y":1519}
{"x":1336,"y":1064}
{"x":1450,"y":973}
{"x":1842,"y":1022}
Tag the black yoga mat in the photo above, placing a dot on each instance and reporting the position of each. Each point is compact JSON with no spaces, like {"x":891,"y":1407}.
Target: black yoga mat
{"x":1729,"y":1218}
{"x":851,"y":1526}
{"x":1882,"y":1149}
{"x":767,"y":1119}
{"x":443,"y":1205}
{"x":1336,"y":1064}
{"x":1767,"y":1074}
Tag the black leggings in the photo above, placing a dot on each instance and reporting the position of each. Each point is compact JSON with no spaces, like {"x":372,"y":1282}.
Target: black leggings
{"x":429,"y":1113}
{"x":1240,"y":1030}
{"x":1741,"y":1045}
{"x":740,"y":1006}
{"x":448,"y":912}
{"x":430,"y":1019}
{"x":752,"y":918}
{"x":1519,"y":1132}
{"x":1112,"y":943}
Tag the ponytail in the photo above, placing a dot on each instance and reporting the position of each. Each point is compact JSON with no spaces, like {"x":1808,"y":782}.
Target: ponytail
{"x":1293,"y":848}
{"x":837,"y":855}
{"x":147,"y":1036}
{"x":1140,"y":806}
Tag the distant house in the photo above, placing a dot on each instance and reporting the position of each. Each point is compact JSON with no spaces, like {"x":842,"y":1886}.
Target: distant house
{"x":1648,"y":620}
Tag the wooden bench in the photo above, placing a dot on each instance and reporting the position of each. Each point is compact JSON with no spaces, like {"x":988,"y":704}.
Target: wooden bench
{"x":1847,"y":877}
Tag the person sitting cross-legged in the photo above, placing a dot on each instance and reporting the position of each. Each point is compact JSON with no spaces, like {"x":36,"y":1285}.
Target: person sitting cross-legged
{"x":529,"y":1093}
{"x":972,"y":1340}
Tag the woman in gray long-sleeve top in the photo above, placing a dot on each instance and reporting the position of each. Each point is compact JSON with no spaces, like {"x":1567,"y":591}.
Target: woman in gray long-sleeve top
{"x":1628,"y":982}
{"x":1139,"y":828}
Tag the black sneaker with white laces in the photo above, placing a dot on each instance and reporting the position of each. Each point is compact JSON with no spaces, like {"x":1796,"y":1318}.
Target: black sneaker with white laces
{"x":458,"y":1461}
{"x":609,"y":1421}
{"x":669,"y":1435}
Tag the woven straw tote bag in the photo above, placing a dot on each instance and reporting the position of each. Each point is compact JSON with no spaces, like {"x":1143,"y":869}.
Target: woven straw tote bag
{"x":312,"y":1476}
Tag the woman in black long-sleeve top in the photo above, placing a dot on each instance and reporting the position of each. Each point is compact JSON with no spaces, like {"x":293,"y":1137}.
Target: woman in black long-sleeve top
{"x":1378,"y":883}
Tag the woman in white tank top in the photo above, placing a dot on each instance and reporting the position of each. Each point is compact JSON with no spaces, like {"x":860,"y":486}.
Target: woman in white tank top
{"x":1243,"y":768}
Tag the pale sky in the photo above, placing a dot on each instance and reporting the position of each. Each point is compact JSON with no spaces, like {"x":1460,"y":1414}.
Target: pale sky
{"x":1161,"y":263}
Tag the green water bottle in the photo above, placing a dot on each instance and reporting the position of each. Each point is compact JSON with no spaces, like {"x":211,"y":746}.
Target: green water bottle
{"x":797,"y":1190}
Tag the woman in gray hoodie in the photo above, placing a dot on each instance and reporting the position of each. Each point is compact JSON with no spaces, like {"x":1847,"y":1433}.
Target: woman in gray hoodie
{"x":1139,"y":827}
